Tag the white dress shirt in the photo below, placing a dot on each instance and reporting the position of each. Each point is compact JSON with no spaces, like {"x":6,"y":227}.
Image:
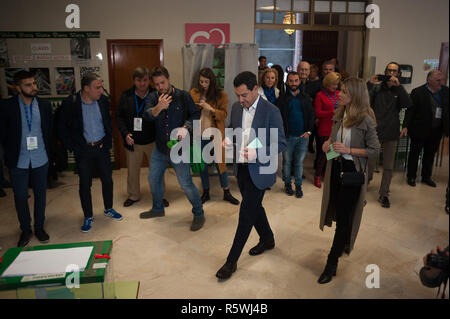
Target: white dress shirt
{"x":345,"y":138}
{"x":247,"y":120}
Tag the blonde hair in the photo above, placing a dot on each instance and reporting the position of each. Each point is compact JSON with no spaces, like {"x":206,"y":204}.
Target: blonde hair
{"x":330,"y":79}
{"x":359,"y":107}
{"x":269,"y":70}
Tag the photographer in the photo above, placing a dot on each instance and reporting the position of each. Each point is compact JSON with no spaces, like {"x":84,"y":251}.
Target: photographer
{"x":435,"y":270}
{"x":387,"y":98}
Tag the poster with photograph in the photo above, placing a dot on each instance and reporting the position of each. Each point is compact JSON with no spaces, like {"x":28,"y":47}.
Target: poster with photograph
{"x":80,"y":49}
{"x":65,"y":81}
{"x":430,"y":64}
{"x":9,"y":75}
{"x":42,"y":76}
{"x":88,"y":69}
{"x":4,"y":60}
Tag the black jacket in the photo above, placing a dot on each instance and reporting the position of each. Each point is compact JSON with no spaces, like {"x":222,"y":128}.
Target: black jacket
{"x":419,"y":117}
{"x":11,"y":128}
{"x":387,"y":103}
{"x":125,"y":114}
{"x":71,"y":123}
{"x":307,"y":108}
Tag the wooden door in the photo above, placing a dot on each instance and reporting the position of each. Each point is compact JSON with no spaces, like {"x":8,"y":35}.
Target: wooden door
{"x":319,"y":46}
{"x":123,"y":57}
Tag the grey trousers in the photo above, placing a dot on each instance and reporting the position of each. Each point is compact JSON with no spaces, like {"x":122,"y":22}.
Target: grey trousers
{"x":388,"y":148}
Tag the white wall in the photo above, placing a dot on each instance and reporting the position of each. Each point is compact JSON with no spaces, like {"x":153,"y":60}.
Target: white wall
{"x":134,"y":19}
{"x":411,"y":31}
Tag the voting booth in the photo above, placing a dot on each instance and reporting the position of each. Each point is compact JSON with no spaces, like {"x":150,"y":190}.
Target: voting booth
{"x":63,"y":271}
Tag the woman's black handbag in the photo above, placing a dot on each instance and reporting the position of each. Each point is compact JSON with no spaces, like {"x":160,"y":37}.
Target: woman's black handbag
{"x":352,"y":178}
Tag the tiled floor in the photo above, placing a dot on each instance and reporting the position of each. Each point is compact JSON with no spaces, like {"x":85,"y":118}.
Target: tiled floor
{"x":170,"y":261}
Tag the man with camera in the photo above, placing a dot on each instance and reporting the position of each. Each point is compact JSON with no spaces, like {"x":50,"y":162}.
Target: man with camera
{"x":387,"y":98}
{"x":435,"y":269}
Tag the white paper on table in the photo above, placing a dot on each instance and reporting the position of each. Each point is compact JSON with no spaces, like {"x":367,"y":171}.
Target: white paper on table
{"x":50,"y":261}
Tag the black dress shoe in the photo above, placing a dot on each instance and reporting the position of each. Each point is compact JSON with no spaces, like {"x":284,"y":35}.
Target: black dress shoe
{"x":328,"y":273}
{"x":24,"y":238}
{"x":129,"y":202}
{"x":165,"y":202}
{"x":411,"y":182}
{"x":229,"y":198}
{"x":288,"y":189}
{"x":262,"y":247}
{"x":384,"y":200}
{"x":197,"y":223}
{"x":227,"y":270}
{"x":205,"y":196}
{"x":41,"y":235}
{"x":151,"y":214}
{"x":429,"y":182}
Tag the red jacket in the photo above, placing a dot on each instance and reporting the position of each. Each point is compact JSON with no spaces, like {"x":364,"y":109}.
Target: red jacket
{"x":324,"y":109}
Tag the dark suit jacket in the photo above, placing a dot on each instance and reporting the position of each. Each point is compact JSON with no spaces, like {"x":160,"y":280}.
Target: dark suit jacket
{"x":267,"y":116}
{"x":11,"y":128}
{"x":71,"y":123}
{"x":419,"y":117}
{"x":125,"y":114}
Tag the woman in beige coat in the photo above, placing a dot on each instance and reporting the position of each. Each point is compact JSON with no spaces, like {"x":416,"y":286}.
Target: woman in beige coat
{"x":354,"y":137}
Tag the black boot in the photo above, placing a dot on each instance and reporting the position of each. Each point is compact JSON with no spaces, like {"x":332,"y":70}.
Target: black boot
{"x":328,"y":273}
{"x":229,"y":198}
{"x":205,"y":196}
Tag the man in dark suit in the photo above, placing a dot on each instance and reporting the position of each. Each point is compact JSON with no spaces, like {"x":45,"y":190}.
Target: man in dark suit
{"x":425,"y":122}
{"x":257,"y":125}
{"x":86,"y":129}
{"x":25,"y":129}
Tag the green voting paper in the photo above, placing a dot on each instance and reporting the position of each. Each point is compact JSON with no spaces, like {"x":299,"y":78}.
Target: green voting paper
{"x":255,"y":144}
{"x":331,"y":153}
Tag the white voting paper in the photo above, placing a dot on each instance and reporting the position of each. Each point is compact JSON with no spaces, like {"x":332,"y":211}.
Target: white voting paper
{"x":50,"y":261}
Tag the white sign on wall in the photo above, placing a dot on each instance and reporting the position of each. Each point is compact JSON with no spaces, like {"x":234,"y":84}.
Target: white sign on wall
{"x":41,"y":48}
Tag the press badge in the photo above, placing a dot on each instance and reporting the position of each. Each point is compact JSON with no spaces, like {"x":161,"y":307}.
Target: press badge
{"x":138,"y":124}
{"x":439,"y":112}
{"x":32,"y":143}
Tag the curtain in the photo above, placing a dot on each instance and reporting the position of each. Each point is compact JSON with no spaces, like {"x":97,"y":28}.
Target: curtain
{"x":239,"y":57}
{"x":195,"y":57}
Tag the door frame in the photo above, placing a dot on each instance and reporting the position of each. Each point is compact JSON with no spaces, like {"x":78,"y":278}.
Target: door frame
{"x":117,"y":139}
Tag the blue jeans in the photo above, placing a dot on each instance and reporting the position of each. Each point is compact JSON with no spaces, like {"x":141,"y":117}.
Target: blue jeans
{"x":205,"y":175}
{"x":19,"y":180}
{"x":295,"y":151}
{"x":158,"y":165}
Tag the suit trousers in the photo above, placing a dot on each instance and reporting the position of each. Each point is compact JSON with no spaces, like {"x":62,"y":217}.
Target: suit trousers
{"x":344,"y":200}
{"x":88,"y":159}
{"x":389,"y":148}
{"x":251,"y":214}
{"x":134,"y":160}
{"x":430,"y":146}
{"x":19,"y":180}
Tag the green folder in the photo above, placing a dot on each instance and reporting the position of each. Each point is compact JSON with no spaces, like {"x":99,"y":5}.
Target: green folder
{"x":331,"y":153}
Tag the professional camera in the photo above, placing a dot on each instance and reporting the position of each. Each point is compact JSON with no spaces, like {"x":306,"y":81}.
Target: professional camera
{"x":435,"y":272}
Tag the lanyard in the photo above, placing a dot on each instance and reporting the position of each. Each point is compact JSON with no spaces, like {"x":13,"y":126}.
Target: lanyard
{"x":438,"y":101}
{"x":335,"y":101}
{"x":29,"y":117}
{"x":139,"y":108}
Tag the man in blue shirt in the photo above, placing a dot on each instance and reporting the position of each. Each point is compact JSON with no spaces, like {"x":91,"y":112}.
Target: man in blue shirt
{"x":25,"y":128}
{"x":86,"y":129}
{"x":298,"y":121}
{"x":172,"y":110}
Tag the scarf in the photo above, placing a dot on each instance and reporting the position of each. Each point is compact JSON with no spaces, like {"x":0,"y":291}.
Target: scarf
{"x":270,"y":94}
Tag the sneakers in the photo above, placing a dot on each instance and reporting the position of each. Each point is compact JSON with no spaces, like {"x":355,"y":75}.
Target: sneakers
{"x":298,"y":191}
{"x":288,"y":189}
{"x":87,"y":225}
{"x":24,"y":238}
{"x":384,"y":200}
{"x":113,"y":214}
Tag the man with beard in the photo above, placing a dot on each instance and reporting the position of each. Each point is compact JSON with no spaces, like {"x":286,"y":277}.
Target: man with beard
{"x":298,"y":121}
{"x":25,"y":128}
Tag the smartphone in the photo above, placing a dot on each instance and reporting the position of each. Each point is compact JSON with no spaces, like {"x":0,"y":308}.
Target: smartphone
{"x":384,"y":78}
